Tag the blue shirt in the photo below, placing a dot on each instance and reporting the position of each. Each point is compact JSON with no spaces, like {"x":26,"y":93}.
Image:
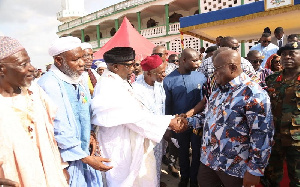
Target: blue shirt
{"x":265,"y":51}
{"x":183,"y":92}
{"x":238,"y":128}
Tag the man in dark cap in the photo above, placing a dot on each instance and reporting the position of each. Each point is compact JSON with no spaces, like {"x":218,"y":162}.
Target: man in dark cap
{"x":283,"y":89}
{"x":128,"y":129}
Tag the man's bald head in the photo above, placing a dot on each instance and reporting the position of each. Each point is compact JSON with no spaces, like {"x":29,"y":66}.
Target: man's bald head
{"x":227,"y":65}
{"x":229,"y":56}
{"x":189,"y":60}
{"x":221,"y":49}
{"x":229,"y":42}
{"x":187,"y":52}
{"x":158,"y":49}
{"x":161,"y":51}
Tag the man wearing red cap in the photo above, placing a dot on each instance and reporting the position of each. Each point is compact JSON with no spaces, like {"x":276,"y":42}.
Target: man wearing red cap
{"x":149,"y":89}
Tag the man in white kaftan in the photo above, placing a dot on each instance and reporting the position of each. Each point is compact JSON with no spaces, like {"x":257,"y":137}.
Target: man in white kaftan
{"x":150,"y":90}
{"x":128,"y":131}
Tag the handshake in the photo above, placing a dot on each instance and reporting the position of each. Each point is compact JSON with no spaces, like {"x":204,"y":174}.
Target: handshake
{"x":179,"y":123}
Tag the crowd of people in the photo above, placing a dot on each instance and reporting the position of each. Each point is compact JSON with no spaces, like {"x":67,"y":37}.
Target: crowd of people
{"x":214,"y":118}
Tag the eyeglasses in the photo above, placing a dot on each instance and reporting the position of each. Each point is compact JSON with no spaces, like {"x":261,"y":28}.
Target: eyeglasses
{"x":265,"y":41}
{"x":235,"y":48}
{"x":174,"y":61}
{"x":160,"y":54}
{"x":276,"y":61}
{"x":256,"y":61}
{"x":127,"y":65}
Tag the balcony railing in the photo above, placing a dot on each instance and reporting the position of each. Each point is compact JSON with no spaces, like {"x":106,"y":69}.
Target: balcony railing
{"x":101,"y":13}
{"x":94,"y":43}
{"x":174,"y":28}
{"x":147,"y":33}
{"x":104,"y":41}
{"x":154,"y":32}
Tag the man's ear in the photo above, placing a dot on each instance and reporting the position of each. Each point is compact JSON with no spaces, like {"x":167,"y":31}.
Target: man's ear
{"x":2,"y":69}
{"x":149,"y":73}
{"x":115,"y":67}
{"x":233,"y":68}
{"x":58,"y":60}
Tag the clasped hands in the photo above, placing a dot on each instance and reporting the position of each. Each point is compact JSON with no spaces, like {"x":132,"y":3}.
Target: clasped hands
{"x":179,"y":123}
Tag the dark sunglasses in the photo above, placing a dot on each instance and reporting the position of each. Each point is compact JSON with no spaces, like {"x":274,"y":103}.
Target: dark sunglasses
{"x":266,"y":41}
{"x":127,"y":65}
{"x":276,"y":61}
{"x":159,"y":54}
{"x":235,"y":48}
{"x":256,"y":61}
{"x":174,"y":61}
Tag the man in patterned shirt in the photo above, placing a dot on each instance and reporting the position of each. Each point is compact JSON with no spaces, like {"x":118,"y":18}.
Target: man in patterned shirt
{"x":238,"y":129}
{"x":207,"y":66}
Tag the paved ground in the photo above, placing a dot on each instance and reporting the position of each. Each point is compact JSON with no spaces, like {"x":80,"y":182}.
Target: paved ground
{"x":168,"y":178}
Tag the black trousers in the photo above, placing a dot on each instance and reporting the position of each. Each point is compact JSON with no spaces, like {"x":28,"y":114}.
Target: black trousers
{"x":208,"y":177}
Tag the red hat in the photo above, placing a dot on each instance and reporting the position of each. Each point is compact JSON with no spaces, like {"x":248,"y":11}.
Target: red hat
{"x":151,"y":62}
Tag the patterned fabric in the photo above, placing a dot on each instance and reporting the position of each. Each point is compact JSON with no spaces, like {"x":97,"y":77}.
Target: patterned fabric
{"x":9,"y":46}
{"x":262,"y":73}
{"x":207,"y":67}
{"x":92,"y":77}
{"x":238,"y":129}
{"x":170,"y":67}
{"x":285,"y":98}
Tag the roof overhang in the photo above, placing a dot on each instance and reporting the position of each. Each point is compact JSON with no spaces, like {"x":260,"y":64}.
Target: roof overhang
{"x":245,"y":22}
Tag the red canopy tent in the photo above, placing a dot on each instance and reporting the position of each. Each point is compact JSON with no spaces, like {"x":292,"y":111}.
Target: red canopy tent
{"x":127,"y":36}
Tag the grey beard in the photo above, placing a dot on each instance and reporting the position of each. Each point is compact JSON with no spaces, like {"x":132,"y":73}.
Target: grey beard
{"x":69,"y":72}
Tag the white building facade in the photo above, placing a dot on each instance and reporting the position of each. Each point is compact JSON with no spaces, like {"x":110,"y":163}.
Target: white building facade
{"x":156,"y":20}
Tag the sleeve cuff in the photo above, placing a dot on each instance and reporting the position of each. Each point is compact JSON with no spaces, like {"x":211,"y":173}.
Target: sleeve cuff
{"x":72,"y":154}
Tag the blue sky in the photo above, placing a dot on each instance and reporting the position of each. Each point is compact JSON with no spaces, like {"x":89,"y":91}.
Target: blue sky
{"x":34,"y":24}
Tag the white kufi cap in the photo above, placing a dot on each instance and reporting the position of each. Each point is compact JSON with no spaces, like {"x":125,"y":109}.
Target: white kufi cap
{"x":100,"y":64}
{"x":85,"y":45}
{"x":64,"y":44}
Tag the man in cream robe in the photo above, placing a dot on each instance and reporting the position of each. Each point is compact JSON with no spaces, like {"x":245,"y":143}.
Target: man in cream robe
{"x":28,"y":152}
{"x":128,"y":131}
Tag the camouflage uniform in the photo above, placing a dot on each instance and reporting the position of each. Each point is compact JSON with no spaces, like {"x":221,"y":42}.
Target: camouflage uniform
{"x":285,"y":101}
